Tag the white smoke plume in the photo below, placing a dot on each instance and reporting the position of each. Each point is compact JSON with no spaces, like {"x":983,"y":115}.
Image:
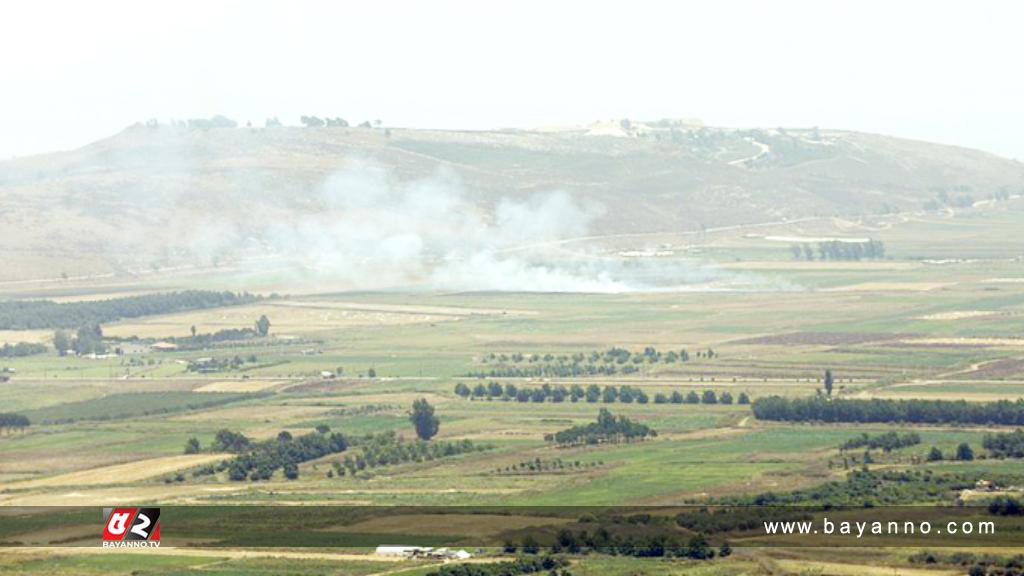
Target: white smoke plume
{"x":372,"y":232}
{"x":363,"y":228}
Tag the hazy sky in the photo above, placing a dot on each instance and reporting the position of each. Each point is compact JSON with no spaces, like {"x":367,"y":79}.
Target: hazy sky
{"x":75,"y":71}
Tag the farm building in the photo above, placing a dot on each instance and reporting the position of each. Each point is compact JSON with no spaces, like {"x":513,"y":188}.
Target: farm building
{"x":163,"y":346}
{"x":422,"y":552}
{"x":403,"y":551}
{"x":985,"y":485}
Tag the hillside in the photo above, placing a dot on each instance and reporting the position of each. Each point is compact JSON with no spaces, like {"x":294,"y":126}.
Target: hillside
{"x":168,"y":196}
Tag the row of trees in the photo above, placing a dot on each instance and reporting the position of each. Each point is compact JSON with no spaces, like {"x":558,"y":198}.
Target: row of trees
{"x":839,"y":250}
{"x":887,"y":441}
{"x":612,"y":361}
{"x":259,"y":460}
{"x":44,"y":314}
{"x":591,"y":394}
{"x":872,"y":488}
{"x":10,"y":421}
{"x":607,"y":429}
{"x":199,"y":341}
{"x":650,"y":355}
{"x":554,"y":371}
{"x":317,"y":122}
{"x":549,"y":565}
{"x":20,"y":349}
{"x":389,"y":449}
{"x":538,"y":465}
{"x":653,"y":545}
{"x":914,"y":411}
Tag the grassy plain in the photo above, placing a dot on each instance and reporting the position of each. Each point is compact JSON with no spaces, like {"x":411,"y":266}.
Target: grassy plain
{"x":111,"y":430}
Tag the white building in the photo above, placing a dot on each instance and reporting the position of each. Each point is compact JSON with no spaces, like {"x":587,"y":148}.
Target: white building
{"x":402,"y":551}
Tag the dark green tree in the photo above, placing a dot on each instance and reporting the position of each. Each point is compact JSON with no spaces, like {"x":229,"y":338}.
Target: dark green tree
{"x":964,"y":452}
{"x":263,"y":325}
{"x":724,"y":550}
{"x":423,"y":419}
{"x":62,"y":342}
{"x":291,"y":471}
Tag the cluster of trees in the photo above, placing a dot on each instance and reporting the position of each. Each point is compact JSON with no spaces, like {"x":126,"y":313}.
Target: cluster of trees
{"x":10,"y":421}
{"x":715,"y":520}
{"x":317,"y":122}
{"x":976,"y":564}
{"x":1006,"y":506}
{"x":220,"y":364}
{"x":873,"y":488}
{"x":888,"y":441}
{"x":607,"y":429}
{"x":20,"y":349}
{"x":202,"y":341}
{"x":259,"y":460}
{"x":539,"y":465}
{"x":388,"y":449}
{"x":87,"y":340}
{"x":914,"y":411}
{"x":960,"y":198}
{"x":963,"y":452}
{"x":1005,"y":445}
{"x":839,"y":250}
{"x":230,"y":441}
{"x":612,"y":361}
{"x":655,"y":545}
{"x":43,"y":314}
{"x":549,"y":565}
{"x":217,"y":121}
{"x":592,"y":394}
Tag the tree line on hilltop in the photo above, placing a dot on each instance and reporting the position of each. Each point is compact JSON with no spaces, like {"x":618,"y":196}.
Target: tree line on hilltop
{"x":43,"y":314}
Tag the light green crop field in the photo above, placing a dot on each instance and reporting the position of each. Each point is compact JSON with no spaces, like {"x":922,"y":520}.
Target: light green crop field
{"x":112,"y":429}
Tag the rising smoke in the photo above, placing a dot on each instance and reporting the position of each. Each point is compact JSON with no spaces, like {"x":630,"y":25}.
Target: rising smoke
{"x":374,"y":232}
{"x":363,"y":228}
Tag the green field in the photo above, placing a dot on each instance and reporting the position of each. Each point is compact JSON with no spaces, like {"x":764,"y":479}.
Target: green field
{"x":112,"y":428}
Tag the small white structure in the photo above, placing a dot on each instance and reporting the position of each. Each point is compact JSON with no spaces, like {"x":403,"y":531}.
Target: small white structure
{"x":448,"y":554}
{"x":401,"y":551}
{"x":163,"y":346}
